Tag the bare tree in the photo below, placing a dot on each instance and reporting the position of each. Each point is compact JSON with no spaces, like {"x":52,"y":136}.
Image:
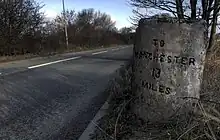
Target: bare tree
{"x":24,"y":29}
{"x":183,"y":10}
{"x":89,"y":27}
{"x":125,"y":30}
{"x":18,"y":18}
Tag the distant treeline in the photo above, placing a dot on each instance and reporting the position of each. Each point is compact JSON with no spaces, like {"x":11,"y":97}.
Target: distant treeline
{"x":25,"y":29}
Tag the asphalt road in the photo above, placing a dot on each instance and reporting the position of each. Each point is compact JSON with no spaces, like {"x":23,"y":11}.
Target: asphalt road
{"x":55,"y":97}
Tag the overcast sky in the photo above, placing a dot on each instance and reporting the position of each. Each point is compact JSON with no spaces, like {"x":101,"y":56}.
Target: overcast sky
{"x":119,"y":10}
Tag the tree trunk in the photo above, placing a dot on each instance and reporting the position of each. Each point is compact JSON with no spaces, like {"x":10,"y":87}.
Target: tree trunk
{"x":209,"y":11}
{"x":212,"y":34}
{"x":179,"y":8}
{"x":193,"y":4}
{"x":204,"y":9}
{"x":214,"y":24}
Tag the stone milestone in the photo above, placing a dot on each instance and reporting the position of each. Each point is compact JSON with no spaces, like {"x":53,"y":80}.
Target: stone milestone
{"x":168,"y":62}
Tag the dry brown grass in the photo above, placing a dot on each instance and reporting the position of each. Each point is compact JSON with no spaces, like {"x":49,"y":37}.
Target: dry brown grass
{"x":119,"y":119}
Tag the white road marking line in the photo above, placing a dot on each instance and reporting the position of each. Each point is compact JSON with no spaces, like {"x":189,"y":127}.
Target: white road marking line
{"x":54,"y":62}
{"x":99,"y":52}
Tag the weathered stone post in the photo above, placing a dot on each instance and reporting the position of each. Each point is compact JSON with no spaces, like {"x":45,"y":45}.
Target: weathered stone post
{"x":168,"y":67}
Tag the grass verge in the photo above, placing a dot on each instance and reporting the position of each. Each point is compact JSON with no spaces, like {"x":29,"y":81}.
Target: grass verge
{"x":49,"y":53}
{"x":115,"y":123}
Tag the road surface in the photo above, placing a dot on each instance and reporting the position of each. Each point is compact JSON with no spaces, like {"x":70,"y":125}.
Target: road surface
{"x":55,"y":97}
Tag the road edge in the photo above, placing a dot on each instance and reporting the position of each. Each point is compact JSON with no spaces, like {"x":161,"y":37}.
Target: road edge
{"x":86,"y":135}
{"x":92,"y":126}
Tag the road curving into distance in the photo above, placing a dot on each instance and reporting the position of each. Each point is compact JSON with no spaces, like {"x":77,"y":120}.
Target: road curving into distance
{"x":45,"y":98}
